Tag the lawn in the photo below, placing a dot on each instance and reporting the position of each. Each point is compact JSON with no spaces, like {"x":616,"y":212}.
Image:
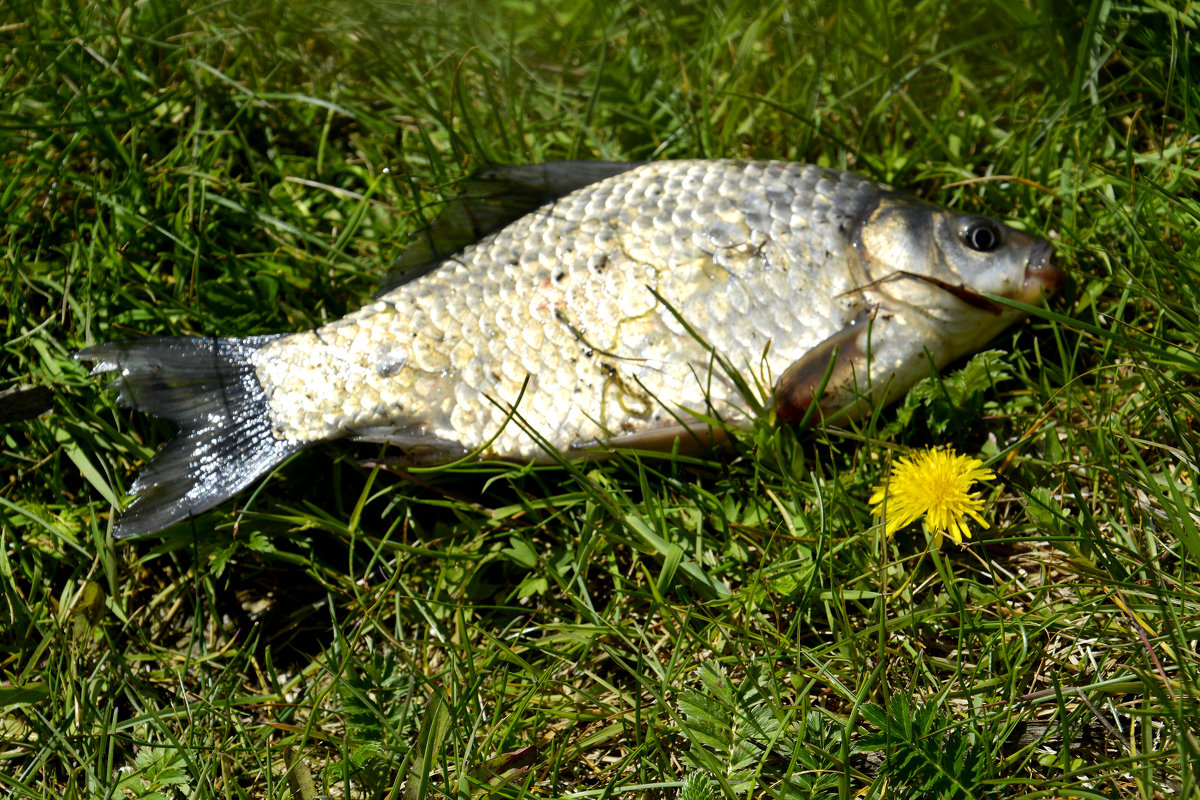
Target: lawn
{"x":727,"y":624}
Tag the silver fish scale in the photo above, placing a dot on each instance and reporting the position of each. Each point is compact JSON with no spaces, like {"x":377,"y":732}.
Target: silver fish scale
{"x":559,"y":309}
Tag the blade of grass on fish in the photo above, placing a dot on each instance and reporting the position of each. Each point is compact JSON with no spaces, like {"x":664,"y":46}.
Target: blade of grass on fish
{"x":751,"y":399}
{"x":473,"y":455}
{"x":835,"y":359}
{"x":813,"y":407}
{"x":705,"y":430}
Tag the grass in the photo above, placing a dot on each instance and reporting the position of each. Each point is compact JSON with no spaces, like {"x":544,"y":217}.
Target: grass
{"x":731,"y":619}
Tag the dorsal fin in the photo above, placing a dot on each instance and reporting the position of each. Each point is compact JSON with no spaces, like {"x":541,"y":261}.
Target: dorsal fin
{"x":489,"y":200}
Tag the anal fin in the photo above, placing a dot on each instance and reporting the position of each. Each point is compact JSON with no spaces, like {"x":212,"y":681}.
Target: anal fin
{"x":693,"y":437}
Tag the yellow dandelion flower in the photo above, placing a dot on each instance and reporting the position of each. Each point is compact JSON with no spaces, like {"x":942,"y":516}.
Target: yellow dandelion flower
{"x":936,"y":484}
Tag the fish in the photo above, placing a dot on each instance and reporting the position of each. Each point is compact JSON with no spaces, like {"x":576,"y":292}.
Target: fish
{"x":574,"y":308}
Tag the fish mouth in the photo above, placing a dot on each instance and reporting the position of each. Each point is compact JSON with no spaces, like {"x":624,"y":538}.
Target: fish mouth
{"x":1042,"y":278}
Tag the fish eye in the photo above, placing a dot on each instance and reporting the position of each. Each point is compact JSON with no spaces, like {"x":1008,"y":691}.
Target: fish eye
{"x":980,"y":234}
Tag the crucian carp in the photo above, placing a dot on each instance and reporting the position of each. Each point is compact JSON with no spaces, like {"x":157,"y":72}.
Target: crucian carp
{"x":583,"y":306}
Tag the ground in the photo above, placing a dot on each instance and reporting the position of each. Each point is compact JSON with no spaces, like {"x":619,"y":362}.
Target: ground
{"x":737,"y":618}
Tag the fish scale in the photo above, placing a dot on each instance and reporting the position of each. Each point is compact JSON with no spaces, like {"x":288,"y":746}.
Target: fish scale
{"x":628,"y":307}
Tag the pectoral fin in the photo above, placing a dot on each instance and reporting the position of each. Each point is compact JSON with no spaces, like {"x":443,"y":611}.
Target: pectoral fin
{"x":830,"y":372}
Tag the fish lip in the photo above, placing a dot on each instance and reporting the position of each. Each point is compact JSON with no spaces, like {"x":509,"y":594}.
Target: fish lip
{"x":1041,"y":276}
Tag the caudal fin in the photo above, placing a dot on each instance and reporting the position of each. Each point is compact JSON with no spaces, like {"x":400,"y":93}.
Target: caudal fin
{"x":210,"y":388}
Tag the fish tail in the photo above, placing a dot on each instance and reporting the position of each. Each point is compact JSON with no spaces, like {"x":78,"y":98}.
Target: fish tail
{"x":209,"y":387}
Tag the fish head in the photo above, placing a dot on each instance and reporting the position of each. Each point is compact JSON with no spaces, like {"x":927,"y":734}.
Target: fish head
{"x":932,"y":268}
{"x":922,"y":281}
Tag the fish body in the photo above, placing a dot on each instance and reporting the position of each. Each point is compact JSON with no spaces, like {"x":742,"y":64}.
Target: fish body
{"x":636,"y":307}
